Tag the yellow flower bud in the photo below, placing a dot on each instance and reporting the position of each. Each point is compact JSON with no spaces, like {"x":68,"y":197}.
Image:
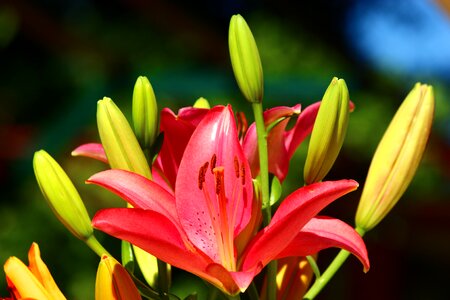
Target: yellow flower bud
{"x":328,"y":133}
{"x":202,"y":103}
{"x":245,"y":59}
{"x":123,"y":152}
{"x":113,"y":281}
{"x":62,"y":195}
{"x":145,"y":112}
{"x":397,"y":157}
{"x":121,"y":146}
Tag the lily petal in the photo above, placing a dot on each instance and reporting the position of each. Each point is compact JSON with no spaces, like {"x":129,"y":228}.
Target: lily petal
{"x":177,"y":132}
{"x":324,"y":232}
{"x":91,"y":150}
{"x":302,"y":128}
{"x":278,"y":159}
{"x":22,"y":282}
{"x":138,"y":191}
{"x":162,"y":239}
{"x":40,"y":270}
{"x":213,"y":144}
{"x":294,"y":213}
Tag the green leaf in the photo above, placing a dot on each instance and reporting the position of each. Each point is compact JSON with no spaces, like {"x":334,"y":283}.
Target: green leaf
{"x":275,"y":191}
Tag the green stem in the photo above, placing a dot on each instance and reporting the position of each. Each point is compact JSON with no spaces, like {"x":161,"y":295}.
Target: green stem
{"x":144,"y":290}
{"x":252,"y":292}
{"x":213,"y":293}
{"x":236,"y":297}
{"x":163,"y":282}
{"x":264,"y":176}
{"x":263,"y":160}
{"x":95,"y":245}
{"x":323,"y":280}
{"x":313,"y":265}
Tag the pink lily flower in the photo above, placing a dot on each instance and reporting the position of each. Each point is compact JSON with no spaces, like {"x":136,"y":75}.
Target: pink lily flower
{"x":196,"y":227}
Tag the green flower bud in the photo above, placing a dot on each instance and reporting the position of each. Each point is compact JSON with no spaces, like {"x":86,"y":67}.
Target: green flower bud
{"x":397,"y":157}
{"x":145,"y":112}
{"x":328,"y":133}
{"x":121,"y":146}
{"x":245,"y":59}
{"x":202,"y":103}
{"x":62,"y":195}
{"x":123,"y":152}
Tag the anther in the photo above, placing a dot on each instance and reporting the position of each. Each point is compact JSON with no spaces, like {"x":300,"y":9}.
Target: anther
{"x":236,"y":167}
{"x":213,"y":163}
{"x":243,"y":175}
{"x":218,"y":175}
{"x":201,"y":175}
{"x":242,"y":124}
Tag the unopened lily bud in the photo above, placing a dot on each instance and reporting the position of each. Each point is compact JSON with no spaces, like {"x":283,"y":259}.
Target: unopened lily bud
{"x":328,"y":132}
{"x":121,"y":146}
{"x":294,"y":276}
{"x":123,"y":152}
{"x":397,"y":157}
{"x":245,"y":59}
{"x":145,"y":112}
{"x":62,"y":195}
{"x":202,"y":103}
{"x":113,"y":281}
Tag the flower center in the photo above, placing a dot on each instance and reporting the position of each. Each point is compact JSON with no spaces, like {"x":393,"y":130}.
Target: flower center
{"x":222,"y":209}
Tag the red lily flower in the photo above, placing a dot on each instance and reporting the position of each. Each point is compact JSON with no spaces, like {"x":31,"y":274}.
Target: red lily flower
{"x":177,"y":131}
{"x":196,"y":227}
{"x":179,"y":128}
{"x":281,"y":143}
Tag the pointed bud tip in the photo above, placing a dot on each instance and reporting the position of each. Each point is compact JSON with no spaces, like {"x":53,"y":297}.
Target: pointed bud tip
{"x":202,"y":103}
{"x":245,"y":59}
{"x":328,"y":134}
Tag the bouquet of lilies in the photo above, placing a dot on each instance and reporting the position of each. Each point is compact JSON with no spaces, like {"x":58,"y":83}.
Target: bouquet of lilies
{"x":203,"y":191}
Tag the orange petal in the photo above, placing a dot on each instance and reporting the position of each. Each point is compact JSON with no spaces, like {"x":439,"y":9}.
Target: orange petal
{"x":22,"y":282}
{"x":41,"y":272}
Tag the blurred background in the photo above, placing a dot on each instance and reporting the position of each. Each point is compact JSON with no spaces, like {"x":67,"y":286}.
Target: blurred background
{"x":57,"y":58}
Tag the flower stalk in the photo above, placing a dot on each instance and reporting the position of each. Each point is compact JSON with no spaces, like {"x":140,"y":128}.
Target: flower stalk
{"x":326,"y":276}
{"x":265,"y":195}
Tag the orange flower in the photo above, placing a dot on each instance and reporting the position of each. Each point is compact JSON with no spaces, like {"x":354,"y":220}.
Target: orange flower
{"x":32,"y":282}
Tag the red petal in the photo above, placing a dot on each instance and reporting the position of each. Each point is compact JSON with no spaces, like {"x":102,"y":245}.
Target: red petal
{"x":138,"y":191}
{"x":225,"y":281}
{"x":92,"y":150}
{"x":278,"y":157}
{"x":324,"y":232}
{"x":177,"y":132}
{"x":294,"y":213}
{"x":154,"y":233}
{"x":302,"y":128}
{"x":216,"y":135}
